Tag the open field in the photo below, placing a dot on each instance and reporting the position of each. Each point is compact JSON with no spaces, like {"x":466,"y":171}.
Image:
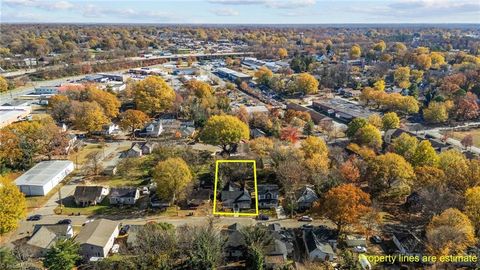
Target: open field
{"x":459,"y":135}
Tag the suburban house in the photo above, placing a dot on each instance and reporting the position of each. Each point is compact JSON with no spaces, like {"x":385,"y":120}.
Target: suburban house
{"x":407,"y":243}
{"x":267,"y":196}
{"x":320,"y":244}
{"x":45,"y":236}
{"x":97,"y":238}
{"x":140,"y":148}
{"x":199,"y":197}
{"x":234,"y":197}
{"x":90,"y":195}
{"x":234,"y":248}
{"x":124,"y":195}
{"x":154,"y":129}
{"x":355,"y":240}
{"x":307,"y":196}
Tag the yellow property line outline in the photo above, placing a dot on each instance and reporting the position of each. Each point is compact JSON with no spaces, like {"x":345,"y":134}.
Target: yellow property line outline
{"x":217,"y":162}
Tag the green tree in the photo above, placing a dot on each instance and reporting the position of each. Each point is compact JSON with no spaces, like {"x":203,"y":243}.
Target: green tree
{"x":153,"y":95}
{"x":390,"y":120}
{"x":355,"y":125}
{"x":206,"y":247}
{"x":12,"y":206}
{"x":308,"y":128}
{"x":7,"y":259}
{"x":172,"y":177}
{"x":63,"y":255}
{"x":256,"y":239}
{"x":226,"y":131}
{"x":405,"y":145}
{"x":425,"y":155}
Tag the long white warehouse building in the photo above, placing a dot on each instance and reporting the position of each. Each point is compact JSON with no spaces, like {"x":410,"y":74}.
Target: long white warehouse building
{"x":43,"y":177}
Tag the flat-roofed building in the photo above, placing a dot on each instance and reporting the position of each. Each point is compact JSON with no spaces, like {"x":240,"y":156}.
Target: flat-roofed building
{"x":10,"y":114}
{"x":43,"y":177}
{"x":233,"y":75}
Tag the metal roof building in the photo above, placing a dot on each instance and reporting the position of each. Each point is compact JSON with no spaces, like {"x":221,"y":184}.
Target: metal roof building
{"x":43,"y":177}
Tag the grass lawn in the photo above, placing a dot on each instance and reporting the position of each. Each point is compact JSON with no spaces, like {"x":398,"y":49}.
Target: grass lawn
{"x":81,"y":156}
{"x":459,"y":135}
{"x":118,"y":181}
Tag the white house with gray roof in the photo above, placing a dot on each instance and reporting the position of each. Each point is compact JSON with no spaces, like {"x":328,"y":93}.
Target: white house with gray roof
{"x":97,"y":238}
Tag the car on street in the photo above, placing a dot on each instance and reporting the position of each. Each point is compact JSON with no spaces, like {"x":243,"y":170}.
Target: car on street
{"x":65,"y":221}
{"x":34,"y":218}
{"x":360,"y":249}
{"x":262,"y":217}
{"x":305,"y":219}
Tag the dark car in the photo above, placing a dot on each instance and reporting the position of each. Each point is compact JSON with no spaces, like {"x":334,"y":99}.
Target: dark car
{"x":376,"y":239}
{"x":34,"y":218}
{"x":65,"y":221}
{"x":262,"y":217}
{"x":124,"y":229}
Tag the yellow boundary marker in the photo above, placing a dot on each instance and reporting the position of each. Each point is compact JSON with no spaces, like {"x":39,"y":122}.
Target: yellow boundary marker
{"x":254,"y":183}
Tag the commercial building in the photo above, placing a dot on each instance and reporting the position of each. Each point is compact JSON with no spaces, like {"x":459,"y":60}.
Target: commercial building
{"x":10,"y":114}
{"x":233,"y":75}
{"x":43,"y":177}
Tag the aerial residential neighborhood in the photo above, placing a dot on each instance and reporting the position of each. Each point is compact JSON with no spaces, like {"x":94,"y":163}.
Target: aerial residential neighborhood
{"x":247,"y":138}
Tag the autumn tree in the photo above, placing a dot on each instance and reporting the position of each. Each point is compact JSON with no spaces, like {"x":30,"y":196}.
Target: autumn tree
{"x":390,"y":121}
{"x":172,"y":177}
{"x":402,"y":77}
{"x":153,"y":95}
{"x":468,"y":108}
{"x":456,"y":168}
{"x":282,"y":53}
{"x":355,"y":51}
{"x":380,"y":46}
{"x":379,"y":85}
{"x":437,"y":112}
{"x":3,"y":84}
{"x":427,"y":177}
{"x":368,"y":136}
{"x":306,"y":84}
{"x":350,"y":170}
{"x":467,"y":141}
{"x":450,"y":233}
{"x":108,"y":101}
{"x":63,"y":255}
{"x":60,"y":108}
{"x":437,"y":59}
{"x":472,"y":205}
{"x":11,"y":152}
{"x":262,"y":146}
{"x":12,"y":206}
{"x":243,"y":115}
{"x":404,"y":145}
{"x":200,"y":89}
{"x":314,"y":145}
{"x":423,"y":61}
{"x":132,"y":120}
{"x":88,"y":116}
{"x":390,"y":175}
{"x":425,"y":155}
{"x":264,"y":75}
{"x":344,"y":205}
{"x":375,"y":120}
{"x":226,"y":131}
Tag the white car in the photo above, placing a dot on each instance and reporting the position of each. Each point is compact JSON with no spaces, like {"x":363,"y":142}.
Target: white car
{"x":306,"y":219}
{"x":360,"y":249}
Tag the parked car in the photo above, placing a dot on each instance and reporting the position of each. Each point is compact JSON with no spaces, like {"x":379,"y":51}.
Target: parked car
{"x":305,"y":219}
{"x":124,"y":229}
{"x":376,"y":239}
{"x":65,"y":221}
{"x":360,"y":249}
{"x":262,"y":217}
{"x":34,"y":218}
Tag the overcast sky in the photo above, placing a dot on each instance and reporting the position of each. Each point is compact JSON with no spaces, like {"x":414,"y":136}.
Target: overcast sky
{"x":242,"y":11}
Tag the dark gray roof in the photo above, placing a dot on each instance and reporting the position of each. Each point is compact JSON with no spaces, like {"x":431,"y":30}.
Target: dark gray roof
{"x":87,"y":193}
{"x":235,"y":196}
{"x":267,"y":188}
{"x":308,"y":195}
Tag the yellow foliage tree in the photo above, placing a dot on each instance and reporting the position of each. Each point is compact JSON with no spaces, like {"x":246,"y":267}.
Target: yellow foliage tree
{"x":379,"y":85}
{"x":282,"y":53}
{"x":172,"y":177}
{"x":3,"y":84}
{"x":472,"y":205}
{"x":12,"y":206}
{"x":402,"y":77}
{"x":355,"y":51}
{"x":153,"y":95}
{"x":224,"y":130}
{"x":88,"y":116}
{"x":306,"y":83}
{"x":131,"y":120}
{"x":450,"y":233}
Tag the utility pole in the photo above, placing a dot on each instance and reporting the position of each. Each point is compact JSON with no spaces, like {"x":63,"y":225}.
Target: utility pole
{"x":60,"y":199}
